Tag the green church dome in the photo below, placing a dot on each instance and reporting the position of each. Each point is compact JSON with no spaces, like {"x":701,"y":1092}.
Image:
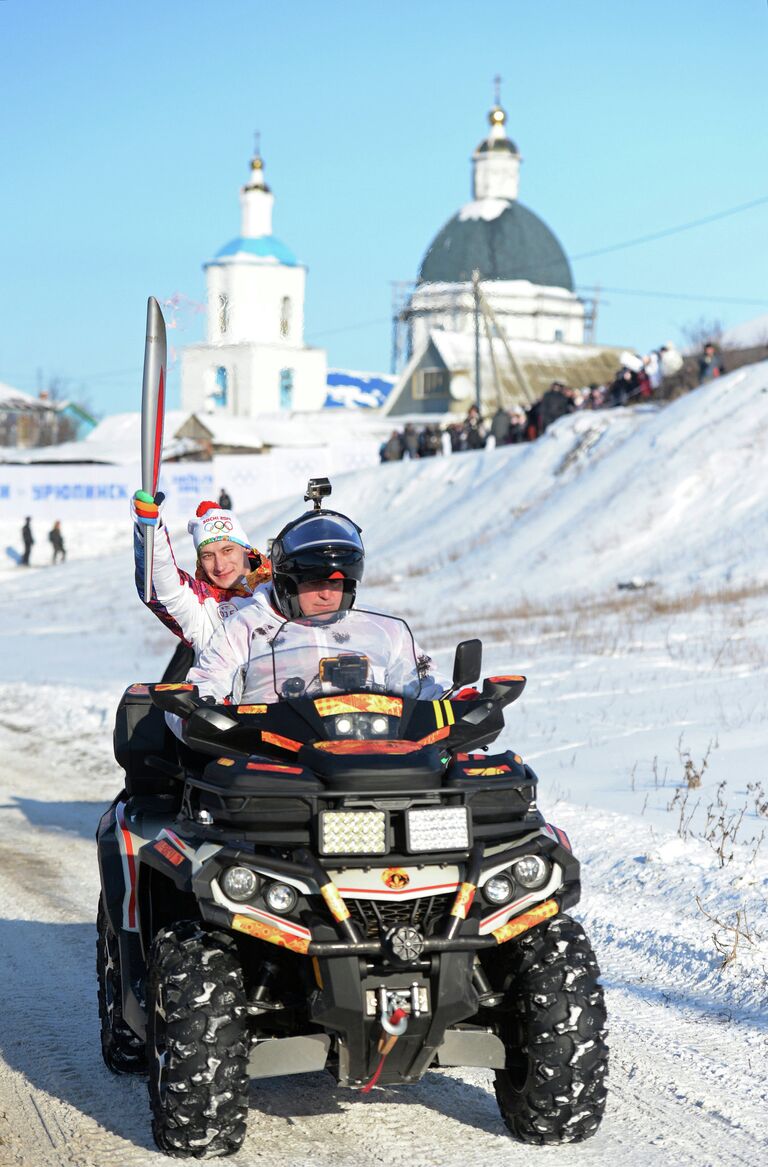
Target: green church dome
{"x":503,"y":240}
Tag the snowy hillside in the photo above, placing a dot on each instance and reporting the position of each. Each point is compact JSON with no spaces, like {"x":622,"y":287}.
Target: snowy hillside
{"x":644,"y":716}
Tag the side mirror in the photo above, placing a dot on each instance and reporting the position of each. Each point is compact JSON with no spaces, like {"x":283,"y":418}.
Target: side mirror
{"x":504,"y":689}
{"x":467,"y":663}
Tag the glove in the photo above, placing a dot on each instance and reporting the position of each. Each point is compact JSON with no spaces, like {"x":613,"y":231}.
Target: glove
{"x":146,"y":509}
{"x":469,"y":694}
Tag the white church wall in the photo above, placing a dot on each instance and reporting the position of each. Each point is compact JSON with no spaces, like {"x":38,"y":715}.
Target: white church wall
{"x":255,"y":296}
{"x":253,"y":378}
{"x":524,"y":311}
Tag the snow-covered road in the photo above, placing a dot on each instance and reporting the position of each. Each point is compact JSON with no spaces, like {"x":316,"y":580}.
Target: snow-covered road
{"x":627,"y":693}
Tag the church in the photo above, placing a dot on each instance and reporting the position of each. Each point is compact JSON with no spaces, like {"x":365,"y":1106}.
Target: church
{"x":494,"y":317}
{"x":254,"y":359}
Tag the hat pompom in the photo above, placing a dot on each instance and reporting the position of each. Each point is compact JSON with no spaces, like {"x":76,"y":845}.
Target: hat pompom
{"x":205,"y":507}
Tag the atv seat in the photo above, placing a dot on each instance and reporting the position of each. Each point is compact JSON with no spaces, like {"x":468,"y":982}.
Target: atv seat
{"x":144,"y":745}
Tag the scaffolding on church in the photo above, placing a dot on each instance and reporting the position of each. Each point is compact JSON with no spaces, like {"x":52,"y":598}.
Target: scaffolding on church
{"x":513,"y":380}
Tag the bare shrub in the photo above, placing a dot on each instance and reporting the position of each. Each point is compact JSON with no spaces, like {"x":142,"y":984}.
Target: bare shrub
{"x":693,"y":774}
{"x":726,"y":937}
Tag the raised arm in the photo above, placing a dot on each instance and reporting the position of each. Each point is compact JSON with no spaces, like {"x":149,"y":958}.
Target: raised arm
{"x":177,"y":597}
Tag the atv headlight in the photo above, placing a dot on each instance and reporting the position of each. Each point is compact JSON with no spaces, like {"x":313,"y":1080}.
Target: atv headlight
{"x":239,"y":883}
{"x":443,"y":828}
{"x":531,"y":871}
{"x":280,"y":897}
{"x":353,"y":832}
{"x":361,"y":725}
{"x":499,"y":889}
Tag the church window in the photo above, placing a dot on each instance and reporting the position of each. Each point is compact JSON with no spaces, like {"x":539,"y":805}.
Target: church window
{"x":285,"y":316}
{"x":430,"y":383}
{"x":286,"y":388}
{"x":223,"y":313}
{"x":558,"y":334}
{"x":222,"y":386}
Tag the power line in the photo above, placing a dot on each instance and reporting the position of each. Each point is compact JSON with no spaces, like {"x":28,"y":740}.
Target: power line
{"x":671,"y":230}
{"x":351,"y":327}
{"x":673,"y":295}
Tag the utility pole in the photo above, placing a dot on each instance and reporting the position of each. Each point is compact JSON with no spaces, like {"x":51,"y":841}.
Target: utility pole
{"x":476,"y":294}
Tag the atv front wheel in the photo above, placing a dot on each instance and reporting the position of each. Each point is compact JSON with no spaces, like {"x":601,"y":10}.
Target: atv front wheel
{"x":122,"y":1049}
{"x":553,"y":1027}
{"x":197,"y":1042}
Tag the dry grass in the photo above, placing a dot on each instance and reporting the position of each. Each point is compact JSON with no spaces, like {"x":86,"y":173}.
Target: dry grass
{"x":622,"y":623}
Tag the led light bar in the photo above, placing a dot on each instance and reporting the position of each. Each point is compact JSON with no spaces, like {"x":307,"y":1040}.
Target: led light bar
{"x":353,"y":832}
{"x":444,"y":828}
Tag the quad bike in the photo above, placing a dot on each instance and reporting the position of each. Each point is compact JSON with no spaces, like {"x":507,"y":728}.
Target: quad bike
{"x":339,"y":877}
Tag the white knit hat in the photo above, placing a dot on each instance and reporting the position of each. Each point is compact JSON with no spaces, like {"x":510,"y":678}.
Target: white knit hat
{"x":213,"y":524}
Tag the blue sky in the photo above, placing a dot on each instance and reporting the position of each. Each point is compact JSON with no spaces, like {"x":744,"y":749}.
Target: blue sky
{"x":128,"y":129}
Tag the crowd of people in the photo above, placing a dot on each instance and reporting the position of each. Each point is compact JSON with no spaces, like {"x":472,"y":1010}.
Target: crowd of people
{"x":638,"y":379}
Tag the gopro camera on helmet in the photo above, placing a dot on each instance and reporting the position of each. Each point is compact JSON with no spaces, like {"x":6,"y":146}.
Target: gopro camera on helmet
{"x":317,"y":490}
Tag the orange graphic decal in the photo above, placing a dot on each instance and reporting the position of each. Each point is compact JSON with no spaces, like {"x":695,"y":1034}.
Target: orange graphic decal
{"x":333,"y":899}
{"x":518,"y":759}
{"x":169,"y":852}
{"x":506,"y":678}
{"x":271,"y":934}
{"x":396,"y":877}
{"x":251,"y":709}
{"x":486,"y":771}
{"x":354,"y":746}
{"x":284,"y":743}
{"x":359,"y":703}
{"x":463,"y":901}
{"x":435,"y":736}
{"x":275,"y":767}
{"x":225,"y":761}
{"x":522,"y":923}
{"x":168,"y":688}
{"x":139,"y":690}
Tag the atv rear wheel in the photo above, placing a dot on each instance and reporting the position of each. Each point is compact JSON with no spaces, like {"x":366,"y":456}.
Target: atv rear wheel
{"x":553,"y":1028}
{"x":122,"y":1049}
{"x":197,"y":1042}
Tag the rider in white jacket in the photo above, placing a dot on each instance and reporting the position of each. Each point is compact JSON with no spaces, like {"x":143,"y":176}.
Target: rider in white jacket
{"x":317,"y":561}
{"x":228,"y":572}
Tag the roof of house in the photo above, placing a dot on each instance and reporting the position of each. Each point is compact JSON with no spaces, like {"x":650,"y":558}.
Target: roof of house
{"x":541,"y":362}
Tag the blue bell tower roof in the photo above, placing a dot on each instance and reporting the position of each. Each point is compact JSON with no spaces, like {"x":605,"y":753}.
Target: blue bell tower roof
{"x":267,"y":248}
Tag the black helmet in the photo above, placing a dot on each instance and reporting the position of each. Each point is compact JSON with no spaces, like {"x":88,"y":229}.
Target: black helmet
{"x":318,"y":545}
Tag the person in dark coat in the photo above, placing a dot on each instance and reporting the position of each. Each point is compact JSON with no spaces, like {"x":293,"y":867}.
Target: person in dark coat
{"x":57,"y":542}
{"x":516,"y":426}
{"x":410,"y":441}
{"x":27,"y":539}
{"x":430,"y":442}
{"x":392,"y":449}
{"x":624,"y":387}
{"x":554,"y":404}
{"x":710,"y":364}
{"x":225,"y":502}
{"x":474,"y":430}
{"x":500,"y":426}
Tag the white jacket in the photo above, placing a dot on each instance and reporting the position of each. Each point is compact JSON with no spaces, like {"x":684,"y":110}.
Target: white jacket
{"x":248,"y":636}
{"x":192,"y":608}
